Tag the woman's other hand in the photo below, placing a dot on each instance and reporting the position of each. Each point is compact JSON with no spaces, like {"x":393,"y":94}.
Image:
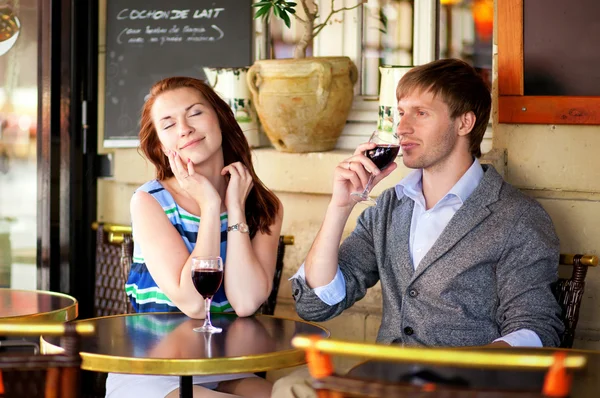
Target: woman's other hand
{"x":239,"y":186}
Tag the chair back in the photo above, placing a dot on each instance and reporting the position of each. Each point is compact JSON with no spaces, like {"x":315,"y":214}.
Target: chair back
{"x":113,"y":260}
{"x":31,"y":376}
{"x":569,"y":292}
{"x":268,"y":307}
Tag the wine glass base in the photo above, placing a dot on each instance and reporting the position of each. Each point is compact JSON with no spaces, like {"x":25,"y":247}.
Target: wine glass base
{"x":208,"y":329}
{"x":364,"y":199}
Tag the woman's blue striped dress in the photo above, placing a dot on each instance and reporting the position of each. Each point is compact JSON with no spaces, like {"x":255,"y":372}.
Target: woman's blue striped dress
{"x":141,"y":288}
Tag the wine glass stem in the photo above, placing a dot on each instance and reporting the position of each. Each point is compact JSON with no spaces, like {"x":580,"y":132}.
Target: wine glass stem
{"x":207,"y":303}
{"x":368,"y":186}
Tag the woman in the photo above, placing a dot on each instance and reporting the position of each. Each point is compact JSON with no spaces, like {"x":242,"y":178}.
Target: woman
{"x":205,"y":201}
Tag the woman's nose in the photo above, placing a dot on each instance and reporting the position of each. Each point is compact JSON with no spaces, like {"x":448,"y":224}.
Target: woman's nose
{"x":185,"y":128}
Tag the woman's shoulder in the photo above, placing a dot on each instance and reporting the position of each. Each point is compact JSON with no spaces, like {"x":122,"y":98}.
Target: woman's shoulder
{"x":151,"y":187}
{"x":154,"y":189}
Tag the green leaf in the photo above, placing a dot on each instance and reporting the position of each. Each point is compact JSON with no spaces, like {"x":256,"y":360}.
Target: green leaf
{"x":277,"y":11}
{"x":261,"y":3}
{"x":384,"y":21}
{"x":263,"y":12}
{"x":290,"y":10}
{"x":286,"y":19}
{"x":291,"y":4}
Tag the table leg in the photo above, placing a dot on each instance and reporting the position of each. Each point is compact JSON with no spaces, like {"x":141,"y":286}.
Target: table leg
{"x":185,"y":387}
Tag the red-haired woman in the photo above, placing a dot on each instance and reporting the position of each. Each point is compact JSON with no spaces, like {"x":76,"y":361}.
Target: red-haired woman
{"x":205,"y":201}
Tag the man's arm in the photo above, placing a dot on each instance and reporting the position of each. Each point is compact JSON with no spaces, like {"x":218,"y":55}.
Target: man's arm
{"x":358,"y":271}
{"x":322,"y":263}
{"x":527,"y":268}
{"x":349,"y":176}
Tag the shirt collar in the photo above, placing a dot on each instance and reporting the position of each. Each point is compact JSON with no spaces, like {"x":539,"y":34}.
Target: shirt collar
{"x":412,"y":187}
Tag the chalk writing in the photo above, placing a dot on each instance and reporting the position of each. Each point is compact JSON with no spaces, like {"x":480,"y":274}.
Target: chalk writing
{"x":175,"y":34}
{"x":133,"y":14}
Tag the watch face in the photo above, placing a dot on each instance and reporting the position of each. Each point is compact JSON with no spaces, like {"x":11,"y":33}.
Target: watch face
{"x":243,"y":227}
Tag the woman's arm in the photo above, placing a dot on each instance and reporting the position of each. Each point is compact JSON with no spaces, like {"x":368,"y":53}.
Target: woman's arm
{"x":250,"y":264}
{"x":165,"y":253}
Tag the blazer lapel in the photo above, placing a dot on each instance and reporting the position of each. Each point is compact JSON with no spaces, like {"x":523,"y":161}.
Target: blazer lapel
{"x":399,"y":239}
{"x":471,"y":213}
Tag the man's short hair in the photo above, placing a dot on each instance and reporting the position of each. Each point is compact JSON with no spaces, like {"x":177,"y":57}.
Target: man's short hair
{"x":460,"y":87}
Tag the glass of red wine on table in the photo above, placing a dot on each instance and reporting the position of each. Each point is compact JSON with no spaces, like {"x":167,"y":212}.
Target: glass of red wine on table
{"x":207,"y":275}
{"x":388,"y":147}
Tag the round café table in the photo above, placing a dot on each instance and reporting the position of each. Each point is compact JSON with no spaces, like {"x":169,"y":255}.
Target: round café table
{"x":36,"y":306}
{"x":165,"y":344}
{"x":501,"y":382}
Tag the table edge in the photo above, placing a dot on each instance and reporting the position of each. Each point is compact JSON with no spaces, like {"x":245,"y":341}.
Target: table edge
{"x":65,"y":314}
{"x":186,"y":367}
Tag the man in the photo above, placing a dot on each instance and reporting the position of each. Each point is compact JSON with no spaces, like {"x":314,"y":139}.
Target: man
{"x":464,"y":258}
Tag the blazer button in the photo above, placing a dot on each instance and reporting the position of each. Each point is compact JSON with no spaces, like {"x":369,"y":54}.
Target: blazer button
{"x":408,"y":331}
{"x":413,"y":293}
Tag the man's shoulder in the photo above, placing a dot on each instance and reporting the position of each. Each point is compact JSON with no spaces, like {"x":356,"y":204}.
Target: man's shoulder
{"x":510,"y":197}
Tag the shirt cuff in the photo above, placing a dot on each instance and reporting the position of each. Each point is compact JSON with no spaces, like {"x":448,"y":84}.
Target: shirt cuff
{"x":522,"y":338}
{"x":332,"y":293}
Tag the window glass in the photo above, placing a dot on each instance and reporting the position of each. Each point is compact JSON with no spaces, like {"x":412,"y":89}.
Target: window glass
{"x":18,"y":130}
{"x":387,"y":39}
{"x":465,"y":32}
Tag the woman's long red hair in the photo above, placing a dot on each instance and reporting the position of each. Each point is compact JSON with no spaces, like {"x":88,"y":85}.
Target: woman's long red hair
{"x":262,"y":205}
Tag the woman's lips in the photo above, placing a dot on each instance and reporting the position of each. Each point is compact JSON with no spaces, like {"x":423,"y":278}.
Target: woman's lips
{"x":191,"y":143}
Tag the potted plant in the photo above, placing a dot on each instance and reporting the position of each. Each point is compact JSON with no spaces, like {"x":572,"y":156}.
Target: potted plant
{"x":302,"y":102}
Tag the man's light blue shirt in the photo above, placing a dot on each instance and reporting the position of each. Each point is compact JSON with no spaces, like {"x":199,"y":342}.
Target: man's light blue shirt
{"x":426,"y":227}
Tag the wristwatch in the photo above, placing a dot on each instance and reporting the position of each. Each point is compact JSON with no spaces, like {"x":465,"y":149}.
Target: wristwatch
{"x":241,"y":226}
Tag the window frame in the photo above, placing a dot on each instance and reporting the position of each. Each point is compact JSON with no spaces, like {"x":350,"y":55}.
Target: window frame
{"x":513,"y":105}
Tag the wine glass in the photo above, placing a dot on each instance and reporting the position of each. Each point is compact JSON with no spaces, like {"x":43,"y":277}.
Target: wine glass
{"x":207,"y":275}
{"x":388,"y":147}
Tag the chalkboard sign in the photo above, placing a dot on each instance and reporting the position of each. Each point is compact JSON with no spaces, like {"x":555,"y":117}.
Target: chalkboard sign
{"x":560,"y":51}
{"x":148,"y":40}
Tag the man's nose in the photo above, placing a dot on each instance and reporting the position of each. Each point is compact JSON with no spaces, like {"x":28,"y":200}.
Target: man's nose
{"x":404,"y":126}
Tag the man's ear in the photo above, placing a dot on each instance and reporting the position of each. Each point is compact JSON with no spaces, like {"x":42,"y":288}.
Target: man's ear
{"x":466,"y":123}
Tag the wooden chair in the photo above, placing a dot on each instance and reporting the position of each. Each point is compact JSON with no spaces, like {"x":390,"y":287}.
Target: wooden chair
{"x":556,"y":369}
{"x":31,"y":376}
{"x":114,"y":254}
{"x":569,"y":292}
{"x":268,"y":307}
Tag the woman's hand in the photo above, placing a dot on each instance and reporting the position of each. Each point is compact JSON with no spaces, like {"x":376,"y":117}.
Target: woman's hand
{"x":195,"y":184}
{"x":239,"y":186}
{"x":353,"y":173}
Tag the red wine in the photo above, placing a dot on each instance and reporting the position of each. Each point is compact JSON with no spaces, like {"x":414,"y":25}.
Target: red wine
{"x":207,"y":281}
{"x":383,"y":155}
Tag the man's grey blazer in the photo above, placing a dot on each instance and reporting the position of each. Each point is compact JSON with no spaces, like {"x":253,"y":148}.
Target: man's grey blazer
{"x":488,"y":274}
